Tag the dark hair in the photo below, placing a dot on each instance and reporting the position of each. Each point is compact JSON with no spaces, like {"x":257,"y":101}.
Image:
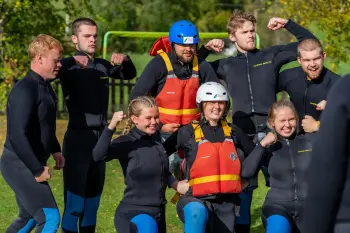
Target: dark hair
{"x":81,"y":21}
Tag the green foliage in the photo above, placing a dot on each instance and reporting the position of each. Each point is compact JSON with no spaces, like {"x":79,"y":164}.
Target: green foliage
{"x":20,"y":22}
{"x":329,"y":16}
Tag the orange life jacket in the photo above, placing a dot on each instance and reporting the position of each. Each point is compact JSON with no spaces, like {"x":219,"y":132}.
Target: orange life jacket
{"x":217,"y":167}
{"x":177,"y":100}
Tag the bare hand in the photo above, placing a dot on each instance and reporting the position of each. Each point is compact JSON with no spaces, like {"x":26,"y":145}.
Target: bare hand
{"x":116,"y":119}
{"x":321,"y":105}
{"x":215,"y":45}
{"x":118,"y":58}
{"x":45,"y":175}
{"x":170,"y":128}
{"x":269,"y":139}
{"x":82,"y":61}
{"x":182,"y":186}
{"x":309,"y":124}
{"x":58,"y":157}
{"x":276,"y":23}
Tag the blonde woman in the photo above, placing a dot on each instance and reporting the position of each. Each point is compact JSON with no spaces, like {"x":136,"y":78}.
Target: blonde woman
{"x":145,"y":165}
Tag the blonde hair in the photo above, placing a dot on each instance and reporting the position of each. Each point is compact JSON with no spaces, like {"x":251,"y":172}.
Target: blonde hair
{"x":42,"y":44}
{"x":309,"y":45}
{"x":277,"y":106}
{"x":237,"y":20}
{"x":135,"y":108}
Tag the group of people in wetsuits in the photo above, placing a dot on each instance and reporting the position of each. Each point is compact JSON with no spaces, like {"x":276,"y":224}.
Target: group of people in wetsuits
{"x":178,"y":111}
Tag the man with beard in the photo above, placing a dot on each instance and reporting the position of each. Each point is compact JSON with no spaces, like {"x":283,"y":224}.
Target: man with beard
{"x":173,"y":79}
{"x":309,"y":84}
{"x":86,"y":90}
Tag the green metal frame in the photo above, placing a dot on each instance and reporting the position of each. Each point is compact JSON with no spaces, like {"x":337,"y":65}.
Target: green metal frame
{"x":136,"y":34}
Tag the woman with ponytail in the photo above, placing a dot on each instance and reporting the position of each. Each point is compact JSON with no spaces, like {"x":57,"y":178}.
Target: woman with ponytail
{"x":145,"y":164}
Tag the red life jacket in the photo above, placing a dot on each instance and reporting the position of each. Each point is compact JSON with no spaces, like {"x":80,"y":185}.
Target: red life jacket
{"x":161,"y":43}
{"x":177,"y":100}
{"x":217,"y":167}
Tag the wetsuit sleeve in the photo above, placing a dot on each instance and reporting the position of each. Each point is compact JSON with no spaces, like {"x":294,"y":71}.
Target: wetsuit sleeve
{"x":207,"y":73}
{"x":282,"y":80}
{"x":203,"y":52}
{"x":56,"y":147}
{"x":22,"y":107}
{"x":183,"y":136}
{"x":329,"y":165}
{"x":251,"y":163}
{"x":66,"y":63}
{"x":126,"y":70}
{"x":106,"y":150}
{"x":287,"y":53}
{"x":170,"y":144}
{"x":147,"y":83}
{"x":243,"y":141}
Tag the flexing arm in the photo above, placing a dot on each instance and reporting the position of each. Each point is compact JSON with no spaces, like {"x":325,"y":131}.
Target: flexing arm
{"x":330,"y":153}
{"x":252,"y":163}
{"x":287,"y":53}
{"x":106,"y":150}
{"x":124,"y":70}
{"x":22,"y":107}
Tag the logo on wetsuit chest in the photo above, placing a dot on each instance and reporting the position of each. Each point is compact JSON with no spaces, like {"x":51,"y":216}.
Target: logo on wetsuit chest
{"x":263,"y":63}
{"x":303,"y":151}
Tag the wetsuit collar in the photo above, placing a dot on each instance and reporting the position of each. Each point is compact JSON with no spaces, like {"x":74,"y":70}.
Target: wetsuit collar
{"x":252,"y":51}
{"x":140,"y":134}
{"x":291,"y":138}
{"x":36,"y":77}
{"x":81,"y":53}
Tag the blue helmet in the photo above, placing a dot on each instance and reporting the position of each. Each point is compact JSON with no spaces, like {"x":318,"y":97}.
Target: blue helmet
{"x":183,"y":32}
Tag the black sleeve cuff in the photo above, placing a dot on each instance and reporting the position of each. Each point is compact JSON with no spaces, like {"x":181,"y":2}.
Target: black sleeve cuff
{"x":203,"y":52}
{"x":37,"y":172}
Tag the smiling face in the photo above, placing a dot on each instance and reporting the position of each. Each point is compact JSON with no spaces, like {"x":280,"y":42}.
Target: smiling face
{"x":312,"y":62}
{"x":148,"y":120}
{"x":284,"y":121}
{"x":214,"y":110}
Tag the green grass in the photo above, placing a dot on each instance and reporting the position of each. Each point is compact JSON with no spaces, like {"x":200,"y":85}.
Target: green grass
{"x":113,"y":192}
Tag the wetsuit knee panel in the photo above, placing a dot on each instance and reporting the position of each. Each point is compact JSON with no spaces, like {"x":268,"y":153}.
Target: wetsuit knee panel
{"x":90,"y":211}
{"x":52,"y":220}
{"x":145,"y":223}
{"x":196,"y":217}
{"x":278,"y":224}
{"x":27,"y":225}
{"x":74,"y":203}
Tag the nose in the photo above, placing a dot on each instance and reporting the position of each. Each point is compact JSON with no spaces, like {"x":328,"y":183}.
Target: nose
{"x":216,"y":105}
{"x":59,"y":64}
{"x":153,"y":121}
{"x":287,"y":124}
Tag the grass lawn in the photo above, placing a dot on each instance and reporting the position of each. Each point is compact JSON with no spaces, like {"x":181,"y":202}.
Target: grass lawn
{"x":111,"y":196}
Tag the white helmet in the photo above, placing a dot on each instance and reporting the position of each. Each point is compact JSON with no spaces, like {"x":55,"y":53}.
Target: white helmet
{"x":212,"y":91}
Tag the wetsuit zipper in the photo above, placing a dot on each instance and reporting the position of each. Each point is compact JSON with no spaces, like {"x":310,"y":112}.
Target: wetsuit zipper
{"x":305,"y":94}
{"x":249,"y":83}
{"x":294,"y":177}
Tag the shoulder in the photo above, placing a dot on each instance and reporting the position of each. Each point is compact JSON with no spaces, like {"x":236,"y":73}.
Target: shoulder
{"x":26,"y":88}
{"x":186,"y":131}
